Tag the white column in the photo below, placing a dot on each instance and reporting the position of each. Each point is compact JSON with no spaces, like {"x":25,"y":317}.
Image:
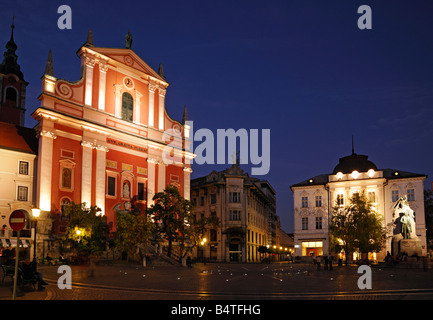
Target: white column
{"x":89,"y":81}
{"x":45,"y":170}
{"x":161,"y":93}
{"x":150,"y":181}
{"x":86,"y":175}
{"x":152,"y":89}
{"x":161,"y":177}
{"x":102,"y":84}
{"x":186,"y":183}
{"x":137,"y":107}
{"x":101,"y":155}
{"x":117,"y":101}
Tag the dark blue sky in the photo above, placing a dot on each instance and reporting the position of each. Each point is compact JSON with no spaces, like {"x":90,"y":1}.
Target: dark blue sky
{"x":300,"y":68}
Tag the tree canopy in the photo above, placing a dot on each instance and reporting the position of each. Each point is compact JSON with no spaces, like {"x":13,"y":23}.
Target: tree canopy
{"x":357,"y":227}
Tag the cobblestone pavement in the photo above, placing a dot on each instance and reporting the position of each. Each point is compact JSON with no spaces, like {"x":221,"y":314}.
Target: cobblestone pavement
{"x":234,"y":282}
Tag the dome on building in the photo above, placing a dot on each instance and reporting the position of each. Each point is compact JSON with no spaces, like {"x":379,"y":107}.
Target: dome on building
{"x":353,"y":162}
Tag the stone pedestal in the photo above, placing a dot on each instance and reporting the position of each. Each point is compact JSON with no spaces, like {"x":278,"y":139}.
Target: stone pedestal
{"x":411,"y":246}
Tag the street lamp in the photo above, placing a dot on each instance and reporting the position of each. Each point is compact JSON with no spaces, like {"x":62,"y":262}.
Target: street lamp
{"x":35,"y":213}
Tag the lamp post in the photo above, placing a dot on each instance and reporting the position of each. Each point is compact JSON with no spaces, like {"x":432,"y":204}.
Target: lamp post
{"x":35,"y":212}
{"x":203,"y":243}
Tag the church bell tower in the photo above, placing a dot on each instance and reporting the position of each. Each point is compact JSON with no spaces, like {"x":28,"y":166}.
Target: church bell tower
{"x":12,"y":86}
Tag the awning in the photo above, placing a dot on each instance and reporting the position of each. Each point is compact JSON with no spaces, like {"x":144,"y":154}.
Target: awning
{"x":7,"y":243}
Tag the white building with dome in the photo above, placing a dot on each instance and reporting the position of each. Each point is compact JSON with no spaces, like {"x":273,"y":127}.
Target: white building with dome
{"x":315,"y":197}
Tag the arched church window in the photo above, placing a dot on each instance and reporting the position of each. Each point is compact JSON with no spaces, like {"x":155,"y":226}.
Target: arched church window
{"x":127,"y":106}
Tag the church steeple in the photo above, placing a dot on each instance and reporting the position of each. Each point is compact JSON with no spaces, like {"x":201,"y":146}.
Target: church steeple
{"x":49,"y":70}
{"x":89,"y":41}
{"x":9,"y":64}
{"x":12,"y":85}
{"x":185,"y":115}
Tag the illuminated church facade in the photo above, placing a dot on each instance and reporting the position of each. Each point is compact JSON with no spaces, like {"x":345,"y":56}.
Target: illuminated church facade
{"x":315,"y":197}
{"x":102,"y":138}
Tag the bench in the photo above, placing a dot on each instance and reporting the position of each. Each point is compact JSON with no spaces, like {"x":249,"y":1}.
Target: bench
{"x":9,"y":271}
{"x":52,"y":261}
{"x":23,"y":281}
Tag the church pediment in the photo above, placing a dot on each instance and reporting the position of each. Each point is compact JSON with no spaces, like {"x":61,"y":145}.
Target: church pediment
{"x":129,"y":58}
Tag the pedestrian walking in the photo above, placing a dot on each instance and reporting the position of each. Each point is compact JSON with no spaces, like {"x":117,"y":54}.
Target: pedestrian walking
{"x":330,"y":258}
{"x":325,"y":265}
{"x":318,"y":262}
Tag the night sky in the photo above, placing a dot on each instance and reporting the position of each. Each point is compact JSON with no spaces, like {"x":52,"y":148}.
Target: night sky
{"x":302,"y":69}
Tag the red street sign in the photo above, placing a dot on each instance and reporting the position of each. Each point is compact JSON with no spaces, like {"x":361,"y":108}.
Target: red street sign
{"x":17,"y":220}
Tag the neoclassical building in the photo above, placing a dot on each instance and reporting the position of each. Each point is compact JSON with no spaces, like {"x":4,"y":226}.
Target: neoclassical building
{"x":315,"y":197}
{"x":102,"y":137}
{"x":246,"y":208}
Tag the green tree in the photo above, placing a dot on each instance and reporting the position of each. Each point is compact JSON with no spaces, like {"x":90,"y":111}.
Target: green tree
{"x":132,"y":230}
{"x":176,"y":220}
{"x":357,"y":227}
{"x":87,"y":229}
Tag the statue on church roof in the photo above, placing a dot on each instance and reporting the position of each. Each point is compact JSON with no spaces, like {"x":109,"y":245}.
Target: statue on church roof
{"x":128,"y":40}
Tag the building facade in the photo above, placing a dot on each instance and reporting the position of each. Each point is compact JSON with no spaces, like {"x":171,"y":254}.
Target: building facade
{"x":246,"y":208}
{"x":102,"y":138}
{"x":18,"y":152}
{"x":314,"y":199}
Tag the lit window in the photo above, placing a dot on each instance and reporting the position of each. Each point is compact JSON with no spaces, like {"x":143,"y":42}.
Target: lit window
{"x":355,"y":174}
{"x":371,"y":173}
{"x":340,"y":175}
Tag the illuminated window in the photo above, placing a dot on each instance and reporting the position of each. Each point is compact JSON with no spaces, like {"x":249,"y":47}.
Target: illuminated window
{"x":127,"y":106}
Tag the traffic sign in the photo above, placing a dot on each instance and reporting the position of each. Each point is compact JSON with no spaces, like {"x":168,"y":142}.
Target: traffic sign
{"x":17,"y":220}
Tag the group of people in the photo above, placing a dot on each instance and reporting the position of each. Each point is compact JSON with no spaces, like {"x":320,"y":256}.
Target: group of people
{"x":327,"y":261}
{"x":29,"y":273}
